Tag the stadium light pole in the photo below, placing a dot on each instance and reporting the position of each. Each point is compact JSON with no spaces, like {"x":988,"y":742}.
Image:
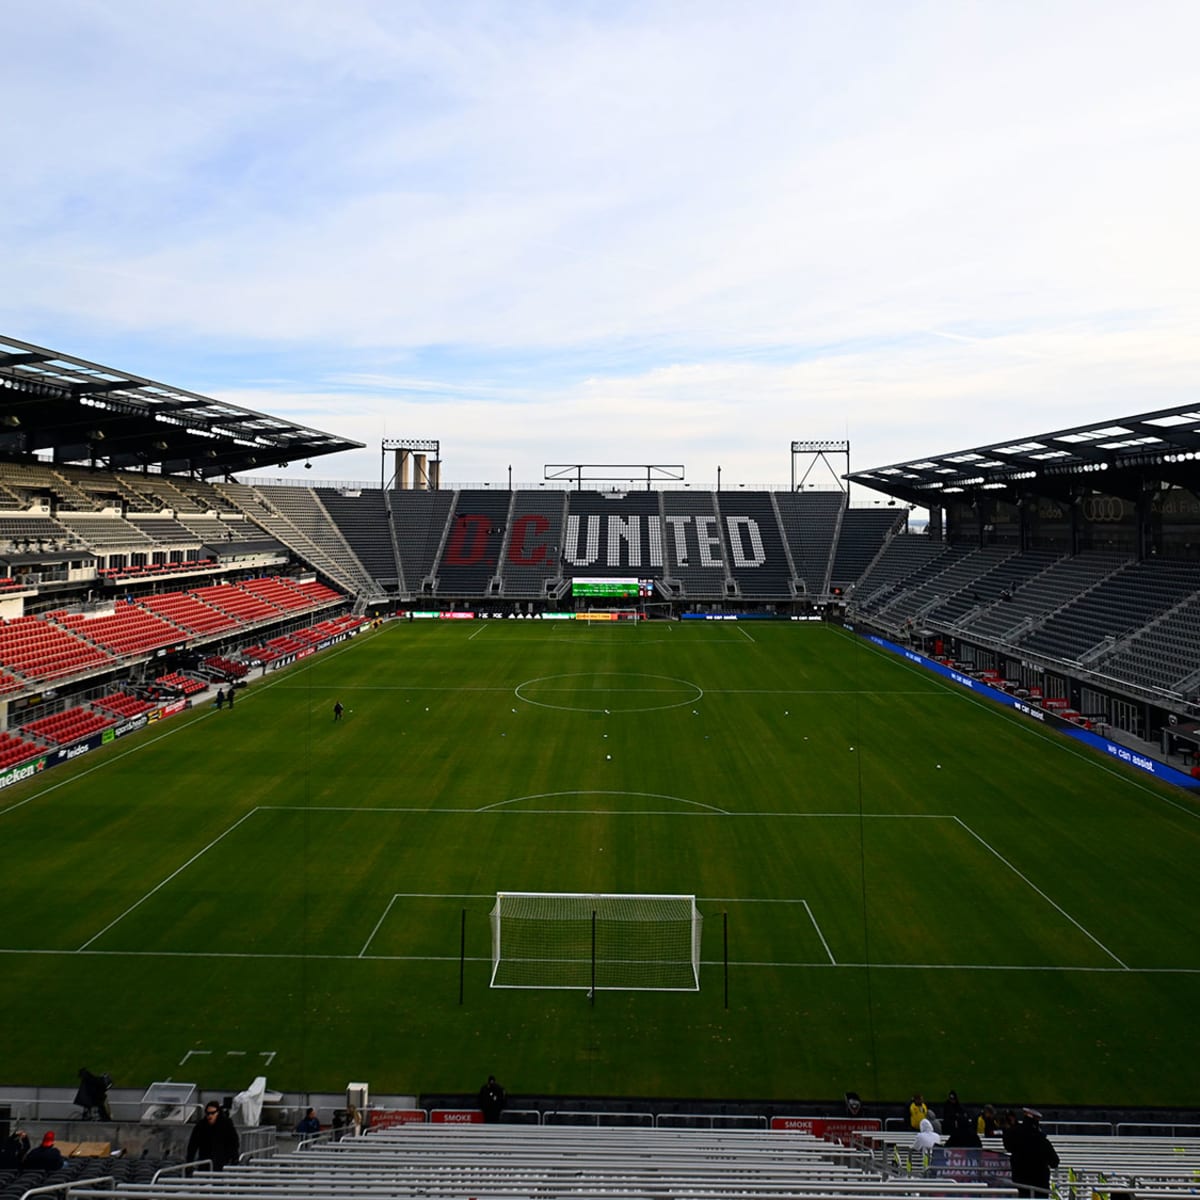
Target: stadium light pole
{"x":718,"y":477}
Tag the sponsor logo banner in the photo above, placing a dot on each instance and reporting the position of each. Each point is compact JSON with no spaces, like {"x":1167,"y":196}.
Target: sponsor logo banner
{"x":24,"y":771}
{"x":832,"y":1129}
{"x":1150,"y":765}
{"x":389,"y":1118}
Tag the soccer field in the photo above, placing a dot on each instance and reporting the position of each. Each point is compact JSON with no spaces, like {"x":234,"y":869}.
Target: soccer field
{"x":913,"y":889}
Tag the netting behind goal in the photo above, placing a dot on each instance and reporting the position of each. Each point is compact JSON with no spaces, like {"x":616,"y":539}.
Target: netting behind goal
{"x":562,"y":939}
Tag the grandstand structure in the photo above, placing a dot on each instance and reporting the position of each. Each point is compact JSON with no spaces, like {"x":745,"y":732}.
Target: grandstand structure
{"x":143,"y":563}
{"x":1064,"y":567}
{"x":796,"y":1157}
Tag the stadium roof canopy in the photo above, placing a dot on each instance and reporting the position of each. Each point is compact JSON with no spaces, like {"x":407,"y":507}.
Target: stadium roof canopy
{"x":1118,"y":457}
{"x":85,"y":413}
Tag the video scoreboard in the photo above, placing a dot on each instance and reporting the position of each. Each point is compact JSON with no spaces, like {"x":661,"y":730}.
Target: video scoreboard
{"x":611,"y":588}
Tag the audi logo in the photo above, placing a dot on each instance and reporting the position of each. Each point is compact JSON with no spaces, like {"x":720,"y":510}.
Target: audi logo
{"x":1103,"y":508}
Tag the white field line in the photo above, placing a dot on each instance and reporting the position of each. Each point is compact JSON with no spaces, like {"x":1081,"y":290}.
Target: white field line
{"x":163,"y":883}
{"x":1033,"y":886}
{"x":297,"y":956}
{"x":832,"y":960}
{"x":378,"y":923}
{"x":745,"y":634}
{"x":482,"y":626}
{"x":750,"y":900}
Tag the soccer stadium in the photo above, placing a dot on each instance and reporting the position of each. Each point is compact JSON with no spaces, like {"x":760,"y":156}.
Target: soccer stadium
{"x":714,"y":823}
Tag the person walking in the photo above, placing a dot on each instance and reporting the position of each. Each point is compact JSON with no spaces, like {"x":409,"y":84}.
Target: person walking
{"x":1031,"y":1156}
{"x":337,"y":710}
{"x":214,"y":1137}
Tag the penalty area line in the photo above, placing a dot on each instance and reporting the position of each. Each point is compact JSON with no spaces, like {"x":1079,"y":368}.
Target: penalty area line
{"x":163,"y":883}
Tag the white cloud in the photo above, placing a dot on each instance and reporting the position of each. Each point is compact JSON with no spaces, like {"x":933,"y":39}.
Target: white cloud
{"x":671,"y":231}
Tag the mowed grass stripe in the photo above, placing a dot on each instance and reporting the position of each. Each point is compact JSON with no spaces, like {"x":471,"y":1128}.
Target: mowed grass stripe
{"x":966,"y":875}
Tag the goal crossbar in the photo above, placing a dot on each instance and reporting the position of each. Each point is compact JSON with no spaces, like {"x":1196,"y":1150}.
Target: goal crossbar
{"x":603,"y":940}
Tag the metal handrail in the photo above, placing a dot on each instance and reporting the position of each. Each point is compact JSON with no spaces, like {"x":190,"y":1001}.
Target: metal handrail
{"x":180,"y":1168}
{"x":46,"y":1189}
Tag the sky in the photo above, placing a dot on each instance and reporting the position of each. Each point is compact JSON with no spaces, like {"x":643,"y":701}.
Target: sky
{"x":614,"y":233}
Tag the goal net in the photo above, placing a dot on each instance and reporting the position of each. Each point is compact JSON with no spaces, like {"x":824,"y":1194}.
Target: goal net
{"x":602,"y":940}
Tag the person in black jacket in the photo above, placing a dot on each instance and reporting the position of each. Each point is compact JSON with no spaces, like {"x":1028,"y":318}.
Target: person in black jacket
{"x":13,"y":1150}
{"x":492,"y":1099}
{"x":214,"y":1137}
{"x":93,"y":1095}
{"x":1031,"y":1156}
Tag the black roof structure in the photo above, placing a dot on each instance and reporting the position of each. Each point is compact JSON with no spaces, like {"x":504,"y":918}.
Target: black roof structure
{"x":1116,"y":457}
{"x":85,"y":413}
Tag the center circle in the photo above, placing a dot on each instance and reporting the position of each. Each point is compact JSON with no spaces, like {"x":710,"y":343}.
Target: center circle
{"x":608,"y":691}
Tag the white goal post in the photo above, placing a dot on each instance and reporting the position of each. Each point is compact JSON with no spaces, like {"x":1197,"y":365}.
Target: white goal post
{"x":603,"y":940}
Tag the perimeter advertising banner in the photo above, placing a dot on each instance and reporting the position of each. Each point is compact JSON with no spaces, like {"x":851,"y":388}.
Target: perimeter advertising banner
{"x":45,"y":759}
{"x":1114,"y":749}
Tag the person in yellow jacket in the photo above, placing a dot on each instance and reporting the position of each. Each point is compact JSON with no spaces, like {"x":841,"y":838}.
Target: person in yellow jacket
{"x":918,"y":1110}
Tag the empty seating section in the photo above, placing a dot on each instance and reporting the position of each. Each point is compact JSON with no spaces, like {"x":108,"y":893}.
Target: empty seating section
{"x":15,"y":749}
{"x":41,"y":650}
{"x":1043,"y":593}
{"x":190,"y":613}
{"x":696,"y":547}
{"x":276,"y":592}
{"x":470,"y":556}
{"x":299,"y":641}
{"x":162,"y":492}
{"x":362,"y":520}
{"x":70,"y":725}
{"x":228,"y":667}
{"x":810,"y":523}
{"x":19,"y":531}
{"x":165,"y":531}
{"x":533,"y":552}
{"x":133,"y":499}
{"x":129,"y":630}
{"x":1123,"y":602}
{"x":757,"y":559}
{"x":330,"y":627}
{"x":103,"y":532}
{"x":34,"y":481}
{"x":122,"y":704}
{"x":560,"y":1161}
{"x":234,"y":600}
{"x":225,"y":534}
{"x":297,"y":519}
{"x":420,"y":519}
{"x":958,"y":570}
{"x":275,"y":649}
{"x":997,"y":586}
{"x":174,"y":681}
{"x":863,"y":534}
{"x":316,"y":592}
{"x":905,"y":560}
{"x":304,"y":518}
{"x":1167,"y":655}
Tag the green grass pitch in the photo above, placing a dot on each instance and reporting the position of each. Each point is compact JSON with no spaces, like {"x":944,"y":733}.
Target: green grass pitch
{"x":921,"y":890}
